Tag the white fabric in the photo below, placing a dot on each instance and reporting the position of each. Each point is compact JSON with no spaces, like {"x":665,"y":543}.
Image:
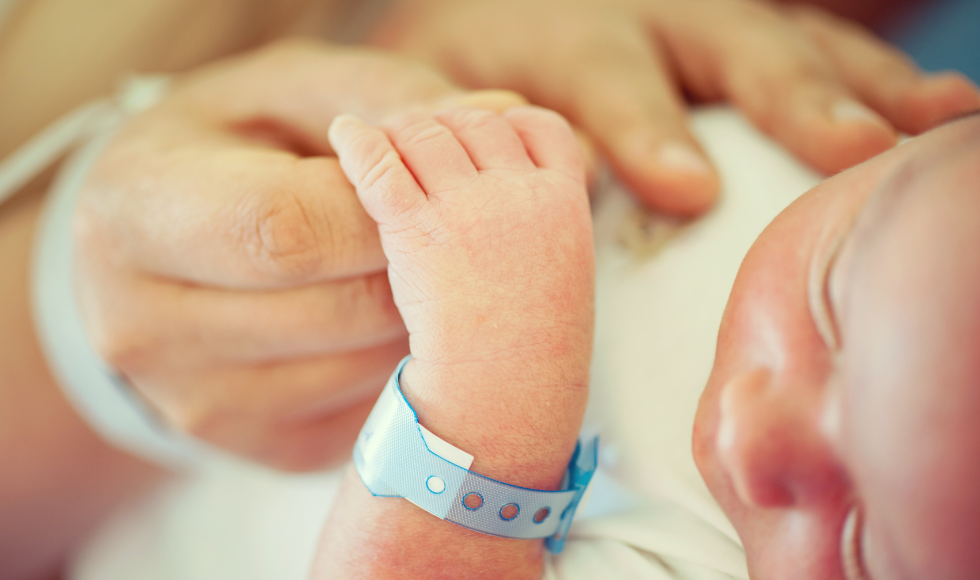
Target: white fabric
{"x":657,"y":320}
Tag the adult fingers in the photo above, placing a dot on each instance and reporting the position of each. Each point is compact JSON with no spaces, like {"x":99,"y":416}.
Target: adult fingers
{"x":214,"y":211}
{"x":294,"y":88}
{"x":220,"y":183}
{"x":624,"y":99}
{"x":192,"y":327}
{"x":756,"y":57}
{"x":593,"y":64}
{"x":296,"y":414}
{"x":886,"y":79}
{"x":301,"y":84}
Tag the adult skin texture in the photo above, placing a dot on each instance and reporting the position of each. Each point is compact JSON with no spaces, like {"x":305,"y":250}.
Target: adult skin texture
{"x":845,"y":376}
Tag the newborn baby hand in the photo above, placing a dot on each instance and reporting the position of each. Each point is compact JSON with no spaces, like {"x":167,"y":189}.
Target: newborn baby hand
{"x":485,"y":221}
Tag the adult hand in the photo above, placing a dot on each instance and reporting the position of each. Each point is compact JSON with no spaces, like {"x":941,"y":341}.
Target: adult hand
{"x":225,"y":265}
{"x":619,"y":69}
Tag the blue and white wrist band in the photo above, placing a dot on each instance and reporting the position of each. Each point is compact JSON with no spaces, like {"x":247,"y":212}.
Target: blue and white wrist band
{"x":395,"y":456}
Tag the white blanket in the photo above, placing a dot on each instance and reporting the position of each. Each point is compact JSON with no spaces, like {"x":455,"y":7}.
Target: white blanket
{"x":657,"y":319}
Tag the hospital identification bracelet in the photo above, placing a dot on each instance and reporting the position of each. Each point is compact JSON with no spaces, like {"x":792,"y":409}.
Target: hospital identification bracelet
{"x":395,"y":456}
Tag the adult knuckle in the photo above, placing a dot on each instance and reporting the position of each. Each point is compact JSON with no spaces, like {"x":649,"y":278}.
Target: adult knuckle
{"x":281,"y":237}
{"x":778,"y":78}
{"x":764,"y":48}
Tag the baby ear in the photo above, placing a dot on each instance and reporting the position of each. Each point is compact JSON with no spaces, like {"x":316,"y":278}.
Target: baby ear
{"x":771,"y":442}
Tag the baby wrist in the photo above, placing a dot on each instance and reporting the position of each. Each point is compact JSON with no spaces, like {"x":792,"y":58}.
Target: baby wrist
{"x":522,"y":425}
{"x":397,"y":456}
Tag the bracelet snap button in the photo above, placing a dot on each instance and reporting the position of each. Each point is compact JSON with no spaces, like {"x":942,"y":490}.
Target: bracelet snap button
{"x":435,"y":484}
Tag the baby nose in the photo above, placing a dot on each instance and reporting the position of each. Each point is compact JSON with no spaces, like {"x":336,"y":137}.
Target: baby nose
{"x":771,"y":443}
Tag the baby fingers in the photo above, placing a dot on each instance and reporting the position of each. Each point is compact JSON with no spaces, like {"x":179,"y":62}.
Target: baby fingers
{"x":489,"y":140}
{"x":549,"y":140}
{"x":384,"y":184}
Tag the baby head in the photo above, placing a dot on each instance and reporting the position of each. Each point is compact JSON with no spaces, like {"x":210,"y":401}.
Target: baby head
{"x":840,"y":429}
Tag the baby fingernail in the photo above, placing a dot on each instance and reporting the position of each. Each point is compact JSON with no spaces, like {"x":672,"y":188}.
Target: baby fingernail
{"x":848,"y":111}
{"x":346,"y":119}
{"x":681,"y":157}
{"x":342,"y":125}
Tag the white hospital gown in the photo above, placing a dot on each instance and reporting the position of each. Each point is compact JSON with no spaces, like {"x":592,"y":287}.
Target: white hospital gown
{"x":657,"y":320}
